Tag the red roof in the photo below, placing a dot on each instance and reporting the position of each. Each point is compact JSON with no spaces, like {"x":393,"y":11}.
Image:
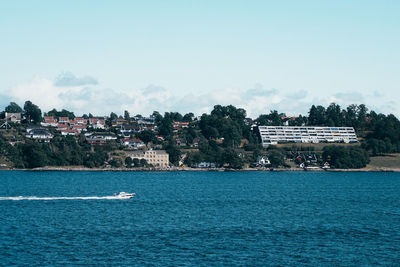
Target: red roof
{"x":50,"y":120}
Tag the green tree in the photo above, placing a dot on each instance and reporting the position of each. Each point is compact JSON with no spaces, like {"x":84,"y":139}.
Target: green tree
{"x":33,"y":155}
{"x":128,"y":162}
{"x":317,"y":116}
{"x":232,"y":158}
{"x":13,"y":108}
{"x":32,"y":112}
{"x":345,"y":157}
{"x":276,"y":158}
{"x":334,"y":115}
{"x":157,"y":117}
{"x":188,"y":117}
{"x":146,"y":136}
{"x":127,"y":116}
{"x":116,"y":163}
{"x":143,"y":163}
{"x":173,"y":152}
{"x":165,"y":125}
{"x":136,"y":162}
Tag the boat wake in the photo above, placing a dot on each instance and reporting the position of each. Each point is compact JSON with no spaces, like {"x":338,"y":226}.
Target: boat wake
{"x":120,"y":196}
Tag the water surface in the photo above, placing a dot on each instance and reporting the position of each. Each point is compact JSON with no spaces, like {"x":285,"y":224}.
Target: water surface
{"x":201,"y":218}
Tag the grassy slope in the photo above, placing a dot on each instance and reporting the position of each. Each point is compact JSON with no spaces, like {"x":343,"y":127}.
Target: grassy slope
{"x":390,"y":161}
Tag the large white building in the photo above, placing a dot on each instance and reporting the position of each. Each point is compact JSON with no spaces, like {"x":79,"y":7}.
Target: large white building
{"x":271,"y":135}
{"x":158,"y":158}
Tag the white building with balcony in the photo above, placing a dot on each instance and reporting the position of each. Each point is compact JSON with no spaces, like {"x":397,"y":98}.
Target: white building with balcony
{"x":271,"y":135}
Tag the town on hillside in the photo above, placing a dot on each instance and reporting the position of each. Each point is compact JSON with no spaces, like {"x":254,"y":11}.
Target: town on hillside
{"x":326,"y":138}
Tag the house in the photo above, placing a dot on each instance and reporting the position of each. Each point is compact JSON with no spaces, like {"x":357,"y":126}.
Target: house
{"x":62,"y":127}
{"x":49,"y":121}
{"x":14,"y":142}
{"x":79,"y":128}
{"x":179,"y":125}
{"x":13,"y":117}
{"x":326,"y":166}
{"x":180,"y":142}
{"x":149,"y":127}
{"x":263,"y":161}
{"x":69,"y":132}
{"x":29,"y":128}
{"x":205,"y":165}
{"x":158,"y":158}
{"x":145,"y":120}
{"x":63,"y":120}
{"x":195,"y":142}
{"x":134,"y":143}
{"x":40,"y":134}
{"x":118,"y":122}
{"x":96,"y":140}
{"x":100,"y":138}
{"x":310,"y":159}
{"x":128,"y":130}
{"x":97,"y":123}
{"x":80,"y":121}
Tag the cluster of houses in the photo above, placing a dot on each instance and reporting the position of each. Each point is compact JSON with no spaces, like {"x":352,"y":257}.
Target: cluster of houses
{"x":67,"y":126}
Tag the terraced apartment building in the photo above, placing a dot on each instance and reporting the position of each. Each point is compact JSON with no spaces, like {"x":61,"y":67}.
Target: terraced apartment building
{"x":271,"y":135}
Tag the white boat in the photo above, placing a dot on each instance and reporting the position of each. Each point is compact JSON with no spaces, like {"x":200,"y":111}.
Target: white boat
{"x":124,"y":195}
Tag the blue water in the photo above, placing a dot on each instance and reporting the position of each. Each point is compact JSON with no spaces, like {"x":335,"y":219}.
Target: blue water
{"x":201,"y":218}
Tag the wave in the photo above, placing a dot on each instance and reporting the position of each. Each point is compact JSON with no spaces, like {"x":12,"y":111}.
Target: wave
{"x":62,"y":198}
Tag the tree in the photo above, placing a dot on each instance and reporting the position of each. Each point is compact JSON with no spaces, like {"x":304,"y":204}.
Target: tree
{"x":173,"y":152}
{"x":334,"y":115}
{"x":33,"y":155}
{"x":165,"y":125}
{"x":112,"y":117}
{"x":13,"y":108}
{"x":276,"y":158}
{"x":32,"y":112}
{"x":345,"y":157}
{"x":316,"y":116}
{"x":188,"y":117}
{"x":127,"y":117}
{"x":128,"y":162}
{"x":146,"y":136}
{"x":157,"y":117}
{"x":116,"y":163}
{"x":362,"y":115}
{"x":272,"y":119}
{"x":143,"y":163}
{"x":232,"y":158}
{"x":62,"y":113}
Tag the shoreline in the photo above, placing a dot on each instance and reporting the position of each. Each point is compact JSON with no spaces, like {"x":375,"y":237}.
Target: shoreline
{"x":186,"y":169}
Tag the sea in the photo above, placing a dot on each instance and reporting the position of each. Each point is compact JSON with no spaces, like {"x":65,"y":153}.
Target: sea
{"x":200,"y":219}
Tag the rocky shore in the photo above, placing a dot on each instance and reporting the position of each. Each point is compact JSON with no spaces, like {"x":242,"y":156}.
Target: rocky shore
{"x":143,"y":169}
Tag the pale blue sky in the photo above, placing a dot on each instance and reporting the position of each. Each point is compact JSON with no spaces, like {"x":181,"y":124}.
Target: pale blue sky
{"x":201,"y":53}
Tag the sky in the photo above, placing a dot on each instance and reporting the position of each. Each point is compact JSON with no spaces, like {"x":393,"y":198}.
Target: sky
{"x":187,"y":56}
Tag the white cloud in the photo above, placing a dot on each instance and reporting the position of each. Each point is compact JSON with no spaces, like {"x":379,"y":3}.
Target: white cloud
{"x":85,"y":98}
{"x":69,"y":79}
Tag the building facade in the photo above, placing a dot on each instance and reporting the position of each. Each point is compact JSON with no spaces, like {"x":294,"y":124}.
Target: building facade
{"x":271,"y":135}
{"x":158,"y":158}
